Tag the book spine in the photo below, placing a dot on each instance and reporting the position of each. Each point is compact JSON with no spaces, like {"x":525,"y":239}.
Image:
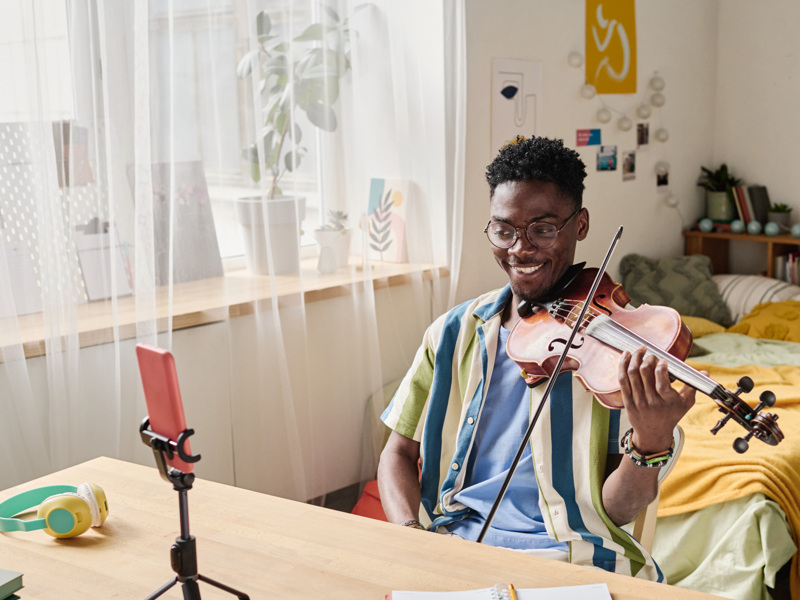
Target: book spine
{"x":738,"y":206}
{"x":747,"y":214}
{"x":746,"y":198}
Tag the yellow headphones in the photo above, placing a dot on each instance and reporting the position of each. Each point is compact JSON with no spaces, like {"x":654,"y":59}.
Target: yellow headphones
{"x":64,"y":510}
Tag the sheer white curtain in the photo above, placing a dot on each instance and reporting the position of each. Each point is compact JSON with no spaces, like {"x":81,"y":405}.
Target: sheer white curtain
{"x":177,"y":172}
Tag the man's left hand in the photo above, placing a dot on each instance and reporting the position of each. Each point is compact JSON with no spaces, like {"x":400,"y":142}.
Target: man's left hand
{"x":653,"y":406}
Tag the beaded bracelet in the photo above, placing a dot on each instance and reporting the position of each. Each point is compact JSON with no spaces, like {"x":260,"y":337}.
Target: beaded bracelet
{"x":654,"y":461}
{"x":414,"y":524}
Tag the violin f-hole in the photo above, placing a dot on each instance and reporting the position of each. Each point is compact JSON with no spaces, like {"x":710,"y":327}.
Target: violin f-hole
{"x":600,"y":306}
{"x":551,"y":347}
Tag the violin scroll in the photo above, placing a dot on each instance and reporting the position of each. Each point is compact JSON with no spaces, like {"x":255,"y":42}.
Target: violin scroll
{"x":763,"y":426}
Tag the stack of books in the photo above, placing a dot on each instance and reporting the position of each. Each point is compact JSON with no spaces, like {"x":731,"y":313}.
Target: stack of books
{"x":751,"y":202}
{"x":787,"y":268}
{"x":10,"y":583}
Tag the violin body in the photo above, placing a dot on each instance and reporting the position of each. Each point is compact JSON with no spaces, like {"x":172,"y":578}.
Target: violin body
{"x":537,"y":342}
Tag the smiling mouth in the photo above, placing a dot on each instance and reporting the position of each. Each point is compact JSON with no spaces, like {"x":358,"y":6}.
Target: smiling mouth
{"x":526,"y":270}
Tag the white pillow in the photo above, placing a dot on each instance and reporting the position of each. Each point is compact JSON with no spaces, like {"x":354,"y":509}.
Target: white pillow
{"x":742,"y":292}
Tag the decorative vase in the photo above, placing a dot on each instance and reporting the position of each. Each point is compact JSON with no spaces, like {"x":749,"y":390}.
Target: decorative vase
{"x":719,"y":207}
{"x":285,"y":215}
{"x":342,"y":247}
{"x":327,"y":240}
{"x":782,"y":219}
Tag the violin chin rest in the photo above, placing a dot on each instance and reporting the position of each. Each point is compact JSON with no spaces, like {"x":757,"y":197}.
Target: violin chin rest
{"x":566,"y":279}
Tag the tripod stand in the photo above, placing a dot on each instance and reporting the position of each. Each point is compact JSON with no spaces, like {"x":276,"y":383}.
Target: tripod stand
{"x":183,"y":554}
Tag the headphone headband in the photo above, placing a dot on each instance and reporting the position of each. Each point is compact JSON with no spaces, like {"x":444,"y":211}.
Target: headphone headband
{"x":26,"y":501}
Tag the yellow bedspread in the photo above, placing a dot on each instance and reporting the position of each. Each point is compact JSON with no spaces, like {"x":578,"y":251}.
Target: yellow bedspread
{"x":710,"y":471}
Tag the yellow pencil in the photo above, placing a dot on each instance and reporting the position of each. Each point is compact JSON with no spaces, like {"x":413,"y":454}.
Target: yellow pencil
{"x":512,"y":592}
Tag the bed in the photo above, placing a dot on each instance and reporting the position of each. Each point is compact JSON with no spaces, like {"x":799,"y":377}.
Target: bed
{"x":727,"y":522}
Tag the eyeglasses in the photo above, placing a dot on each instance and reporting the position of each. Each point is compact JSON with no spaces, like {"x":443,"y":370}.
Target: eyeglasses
{"x":541,"y":235}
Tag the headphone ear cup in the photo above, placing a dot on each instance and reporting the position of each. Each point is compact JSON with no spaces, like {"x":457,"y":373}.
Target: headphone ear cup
{"x":66,"y":515}
{"x":96,"y":499}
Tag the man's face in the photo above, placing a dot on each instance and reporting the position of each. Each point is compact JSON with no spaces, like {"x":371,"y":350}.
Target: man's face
{"x":533,"y":271}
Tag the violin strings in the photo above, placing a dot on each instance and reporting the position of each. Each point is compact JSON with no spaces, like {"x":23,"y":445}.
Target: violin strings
{"x":627,"y":340}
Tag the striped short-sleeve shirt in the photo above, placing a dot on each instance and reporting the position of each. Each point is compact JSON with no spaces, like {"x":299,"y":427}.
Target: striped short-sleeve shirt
{"x":439,"y":404}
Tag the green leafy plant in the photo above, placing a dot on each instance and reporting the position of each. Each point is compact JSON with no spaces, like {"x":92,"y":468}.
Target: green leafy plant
{"x":337,"y":221}
{"x":780,"y":208}
{"x":720,"y":180}
{"x":302,"y":74}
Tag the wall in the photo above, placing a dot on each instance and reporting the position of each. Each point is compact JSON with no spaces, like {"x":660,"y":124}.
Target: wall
{"x":678,"y":39}
{"x":757,"y":122}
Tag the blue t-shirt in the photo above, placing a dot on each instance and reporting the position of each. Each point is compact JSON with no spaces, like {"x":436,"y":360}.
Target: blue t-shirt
{"x":518,"y":523}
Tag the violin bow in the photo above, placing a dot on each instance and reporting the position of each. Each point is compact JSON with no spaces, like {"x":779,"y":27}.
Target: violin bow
{"x":551,"y":382}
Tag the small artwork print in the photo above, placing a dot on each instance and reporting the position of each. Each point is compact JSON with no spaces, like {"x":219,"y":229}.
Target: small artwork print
{"x":662,"y":183}
{"x":387,"y":219}
{"x":588,"y":137}
{"x":629,"y":166}
{"x":607,"y":158}
{"x":642,"y":134}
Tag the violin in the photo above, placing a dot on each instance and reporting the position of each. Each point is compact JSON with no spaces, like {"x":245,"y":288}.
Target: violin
{"x":539,"y":338}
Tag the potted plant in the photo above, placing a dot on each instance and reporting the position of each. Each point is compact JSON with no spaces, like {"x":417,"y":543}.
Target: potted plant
{"x":719,"y":186}
{"x":781,"y":214}
{"x":320,"y":56}
{"x":334,"y":242}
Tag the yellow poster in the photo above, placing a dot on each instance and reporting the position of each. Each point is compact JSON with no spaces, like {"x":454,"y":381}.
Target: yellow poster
{"x":611,"y":46}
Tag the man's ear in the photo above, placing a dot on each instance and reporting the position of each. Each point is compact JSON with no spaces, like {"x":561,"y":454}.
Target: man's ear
{"x":583,"y":224}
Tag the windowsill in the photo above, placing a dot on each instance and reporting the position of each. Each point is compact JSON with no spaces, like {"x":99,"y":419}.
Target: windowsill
{"x":217,"y":299}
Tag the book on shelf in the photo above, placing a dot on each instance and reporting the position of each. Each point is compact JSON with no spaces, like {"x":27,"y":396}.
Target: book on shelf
{"x":787,"y":268}
{"x":746,"y":200}
{"x":738,"y":206}
{"x":760,"y":199}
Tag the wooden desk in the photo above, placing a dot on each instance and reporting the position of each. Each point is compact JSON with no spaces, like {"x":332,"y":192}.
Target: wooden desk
{"x":267,"y":547}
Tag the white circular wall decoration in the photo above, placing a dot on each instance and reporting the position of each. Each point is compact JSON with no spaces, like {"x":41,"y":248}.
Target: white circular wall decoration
{"x":604,"y":115}
{"x":662,"y":135}
{"x":588,"y":91}
{"x":625,"y":123}
{"x":658,"y":99}
{"x":575,"y":60}
{"x":643,"y":111}
{"x":662,"y":167}
{"x":657,"y":84}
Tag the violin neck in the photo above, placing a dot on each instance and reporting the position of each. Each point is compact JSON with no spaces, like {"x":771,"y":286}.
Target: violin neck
{"x":617,"y":336}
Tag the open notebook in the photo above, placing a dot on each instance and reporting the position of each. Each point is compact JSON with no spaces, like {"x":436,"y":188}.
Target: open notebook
{"x":596,"y":591}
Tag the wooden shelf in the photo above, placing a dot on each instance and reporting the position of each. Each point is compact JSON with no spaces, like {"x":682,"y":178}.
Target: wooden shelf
{"x":716,"y":245}
{"x":205,"y":301}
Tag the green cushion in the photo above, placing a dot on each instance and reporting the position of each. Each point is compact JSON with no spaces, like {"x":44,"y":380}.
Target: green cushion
{"x":683,"y":283}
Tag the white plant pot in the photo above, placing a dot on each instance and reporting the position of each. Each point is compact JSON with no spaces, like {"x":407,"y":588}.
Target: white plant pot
{"x":342,"y":247}
{"x":285,"y":214}
{"x":327,"y":240}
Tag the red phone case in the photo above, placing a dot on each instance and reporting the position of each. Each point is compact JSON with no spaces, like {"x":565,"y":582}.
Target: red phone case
{"x":163,"y":396}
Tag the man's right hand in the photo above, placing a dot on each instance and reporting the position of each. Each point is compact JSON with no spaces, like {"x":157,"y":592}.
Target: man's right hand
{"x":398,"y":479}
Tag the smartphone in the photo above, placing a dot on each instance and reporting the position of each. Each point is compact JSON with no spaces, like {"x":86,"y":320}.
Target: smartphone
{"x":163,"y":396}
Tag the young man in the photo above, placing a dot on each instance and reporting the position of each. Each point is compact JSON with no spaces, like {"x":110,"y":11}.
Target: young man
{"x":463,"y":407}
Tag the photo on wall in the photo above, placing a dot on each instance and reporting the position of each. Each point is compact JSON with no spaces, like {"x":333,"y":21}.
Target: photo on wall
{"x":662,"y":183}
{"x":629,"y":165}
{"x":607,"y":158}
{"x":642,"y":135}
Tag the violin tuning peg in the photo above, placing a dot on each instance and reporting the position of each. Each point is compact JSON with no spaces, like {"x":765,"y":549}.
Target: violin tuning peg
{"x":524,"y":309}
{"x":767,"y":399}
{"x":740,"y":445}
{"x":745,"y":384}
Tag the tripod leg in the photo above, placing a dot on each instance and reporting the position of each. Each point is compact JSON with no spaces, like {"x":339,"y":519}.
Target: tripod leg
{"x":191,"y":591}
{"x":162,"y":589}
{"x":222,"y":586}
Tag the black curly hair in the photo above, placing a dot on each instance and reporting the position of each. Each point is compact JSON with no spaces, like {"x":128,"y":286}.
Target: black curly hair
{"x":539,"y":159}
